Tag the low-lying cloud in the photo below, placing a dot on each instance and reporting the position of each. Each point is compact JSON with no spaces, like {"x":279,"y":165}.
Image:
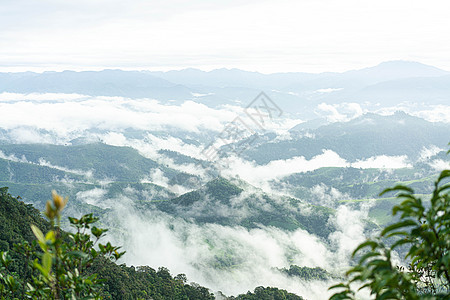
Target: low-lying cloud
{"x":235,"y":259}
{"x":339,"y":112}
{"x":260,"y":174}
{"x":63,"y":114}
{"x":431,"y":113}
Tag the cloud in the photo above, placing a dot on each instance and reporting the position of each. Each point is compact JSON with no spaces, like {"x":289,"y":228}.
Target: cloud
{"x":39,"y":97}
{"x":69,"y":115}
{"x":256,"y":174}
{"x":94,"y":196}
{"x":326,"y":196}
{"x":437,"y":113}
{"x":157,"y":177}
{"x":427,"y":152}
{"x":383,"y":162}
{"x":43,"y":162}
{"x":350,"y":226}
{"x":339,"y":112}
{"x":431,"y":113}
{"x":87,"y":174}
{"x":13,"y":158}
{"x":31,"y":135}
{"x":259,"y":175}
{"x":328,"y":90}
{"x":439,"y":164}
{"x":247,"y":257}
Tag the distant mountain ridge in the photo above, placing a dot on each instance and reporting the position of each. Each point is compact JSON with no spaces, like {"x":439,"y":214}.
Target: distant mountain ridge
{"x":361,"y":138}
{"x":132,"y":84}
{"x":297,"y":93}
{"x":69,"y":81}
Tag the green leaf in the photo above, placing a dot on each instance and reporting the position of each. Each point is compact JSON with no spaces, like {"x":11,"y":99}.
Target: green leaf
{"x":389,"y":294}
{"x":340,"y":285}
{"x":79,"y":254}
{"x":73,"y":221}
{"x":50,"y":236}
{"x":367,"y":256}
{"x":400,"y":242}
{"x":38,"y":233}
{"x":368,"y":243}
{"x":397,"y":188}
{"x":444,"y":174}
{"x":443,"y":188}
{"x":404,"y":233}
{"x":47,"y":262}
{"x":398,"y":225}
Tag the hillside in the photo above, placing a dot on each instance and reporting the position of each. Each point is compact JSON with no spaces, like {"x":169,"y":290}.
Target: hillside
{"x":229,"y":203}
{"x":120,"y":281}
{"x":361,"y":138}
{"x":15,"y":220}
{"x":104,"y":161}
{"x":33,"y":170}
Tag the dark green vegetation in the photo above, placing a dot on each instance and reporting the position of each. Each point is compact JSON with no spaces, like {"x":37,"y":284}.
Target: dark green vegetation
{"x":82,"y":168}
{"x":15,"y":220}
{"x":116,"y":281}
{"x":78,"y":168}
{"x":115,"y":171}
{"x":228,"y":202}
{"x":363,"y":137}
{"x":262,"y":293}
{"x":356,"y":186}
{"x":425,"y":232}
{"x":120,"y":282}
{"x":233,"y":206}
{"x":179,"y":158}
{"x":359,"y":183}
{"x":307,"y":273}
{"x":122,"y":164}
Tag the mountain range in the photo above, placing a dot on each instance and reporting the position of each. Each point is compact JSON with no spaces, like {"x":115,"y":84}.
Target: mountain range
{"x":388,"y":83}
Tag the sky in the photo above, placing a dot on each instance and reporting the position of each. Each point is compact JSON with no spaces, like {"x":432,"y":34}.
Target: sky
{"x":255,"y":35}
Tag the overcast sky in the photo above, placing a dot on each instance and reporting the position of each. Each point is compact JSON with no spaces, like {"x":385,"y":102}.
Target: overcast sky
{"x":264,"y":36}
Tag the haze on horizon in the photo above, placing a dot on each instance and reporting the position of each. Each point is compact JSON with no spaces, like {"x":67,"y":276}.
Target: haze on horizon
{"x":263,"y":36}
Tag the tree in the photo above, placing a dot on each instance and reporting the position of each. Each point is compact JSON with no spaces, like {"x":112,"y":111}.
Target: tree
{"x":60,"y":269}
{"x":424,"y":230}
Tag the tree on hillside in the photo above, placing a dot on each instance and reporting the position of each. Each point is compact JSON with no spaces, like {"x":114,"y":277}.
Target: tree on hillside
{"x":60,"y":269}
{"x":423,"y":230}
{"x":61,"y":265}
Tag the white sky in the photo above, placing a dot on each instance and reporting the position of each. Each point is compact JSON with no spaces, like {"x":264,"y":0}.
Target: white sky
{"x":257,"y":35}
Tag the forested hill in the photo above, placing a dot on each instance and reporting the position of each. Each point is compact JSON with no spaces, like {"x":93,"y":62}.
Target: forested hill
{"x":120,"y":281}
{"x":361,"y":138}
{"x":235,"y":203}
{"x":15,"y":220}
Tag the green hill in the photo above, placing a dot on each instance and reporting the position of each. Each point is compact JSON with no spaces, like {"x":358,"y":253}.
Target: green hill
{"x":104,"y":161}
{"x":119,"y":281}
{"x":361,"y":138}
{"x":224,"y":202}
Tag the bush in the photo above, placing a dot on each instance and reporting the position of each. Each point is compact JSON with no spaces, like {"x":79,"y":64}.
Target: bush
{"x":60,"y":269}
{"x":425,"y":232}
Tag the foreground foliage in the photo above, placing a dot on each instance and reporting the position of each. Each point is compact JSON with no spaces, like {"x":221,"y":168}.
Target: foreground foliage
{"x":58,"y":268}
{"x":61,"y":265}
{"x":425,"y":234}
